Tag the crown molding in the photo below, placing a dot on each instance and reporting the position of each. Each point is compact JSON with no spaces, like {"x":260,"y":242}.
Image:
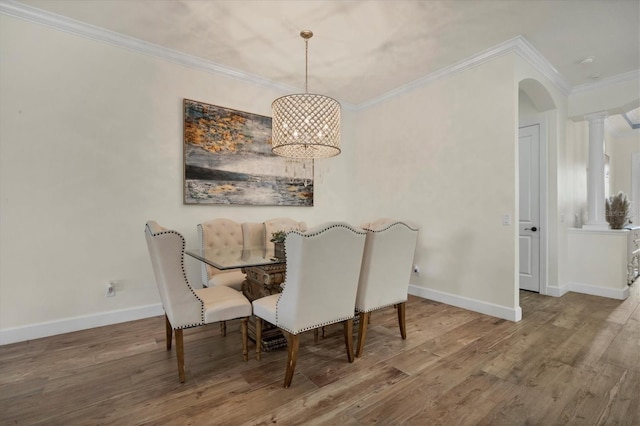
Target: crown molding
{"x":72,"y":26}
{"x":541,"y":64}
{"x":620,"y":78}
{"x":518,"y":45}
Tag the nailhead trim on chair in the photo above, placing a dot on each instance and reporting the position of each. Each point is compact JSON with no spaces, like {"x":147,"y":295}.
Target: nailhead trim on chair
{"x":335,"y":225}
{"x":313,"y":327}
{"x":390,"y":225}
{"x":184,"y":274}
{"x":382,"y":306}
{"x":205,"y":271}
{"x":306,"y":235}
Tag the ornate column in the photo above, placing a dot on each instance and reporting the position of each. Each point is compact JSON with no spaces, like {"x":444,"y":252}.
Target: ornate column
{"x":595,"y":176}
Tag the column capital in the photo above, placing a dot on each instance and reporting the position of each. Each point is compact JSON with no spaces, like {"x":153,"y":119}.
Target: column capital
{"x":600,"y":115}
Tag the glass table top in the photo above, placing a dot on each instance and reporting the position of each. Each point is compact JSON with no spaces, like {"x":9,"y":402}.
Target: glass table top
{"x":236,"y":260}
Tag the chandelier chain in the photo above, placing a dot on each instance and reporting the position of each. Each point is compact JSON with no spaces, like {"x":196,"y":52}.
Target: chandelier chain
{"x":306,"y":66}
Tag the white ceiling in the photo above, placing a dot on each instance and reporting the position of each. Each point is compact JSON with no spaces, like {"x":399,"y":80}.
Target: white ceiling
{"x":364,"y":49}
{"x":620,"y":126}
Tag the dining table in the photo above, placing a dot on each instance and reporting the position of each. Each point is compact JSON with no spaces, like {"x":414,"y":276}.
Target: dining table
{"x":264,"y":276}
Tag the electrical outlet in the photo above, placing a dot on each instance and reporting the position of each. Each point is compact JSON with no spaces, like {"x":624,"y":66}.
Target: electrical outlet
{"x":111,"y":289}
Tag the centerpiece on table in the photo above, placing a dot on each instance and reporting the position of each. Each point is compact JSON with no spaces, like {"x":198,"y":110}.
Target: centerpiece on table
{"x":277,"y":238}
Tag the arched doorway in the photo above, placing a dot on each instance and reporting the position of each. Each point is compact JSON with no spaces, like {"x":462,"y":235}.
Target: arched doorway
{"x":537,"y":123}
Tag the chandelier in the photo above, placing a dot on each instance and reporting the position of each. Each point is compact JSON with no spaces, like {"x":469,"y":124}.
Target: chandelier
{"x":305,"y":125}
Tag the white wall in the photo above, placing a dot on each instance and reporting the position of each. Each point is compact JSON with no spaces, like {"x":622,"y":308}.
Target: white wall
{"x":527,"y":112}
{"x":598,"y":262}
{"x":577,"y":155}
{"x":90,"y":149}
{"x":620,"y":149}
{"x":572,"y":194}
{"x":443,"y":156}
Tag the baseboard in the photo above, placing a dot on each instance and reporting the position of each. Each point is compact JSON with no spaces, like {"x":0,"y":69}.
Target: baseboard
{"x":67,"y":325}
{"x":611,"y":293}
{"x":558,"y":291}
{"x":479,"y":306}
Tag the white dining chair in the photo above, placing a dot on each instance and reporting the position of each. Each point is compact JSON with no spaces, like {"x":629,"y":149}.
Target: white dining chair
{"x":386,"y":270}
{"x":185,"y":306}
{"x":279,"y":224}
{"x":320,"y":287}
{"x":223,"y":237}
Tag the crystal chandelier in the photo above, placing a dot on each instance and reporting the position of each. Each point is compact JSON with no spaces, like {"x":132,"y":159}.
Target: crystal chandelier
{"x":305,"y":125}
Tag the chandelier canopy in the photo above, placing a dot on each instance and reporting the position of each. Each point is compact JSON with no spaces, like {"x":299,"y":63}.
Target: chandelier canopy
{"x":305,"y":125}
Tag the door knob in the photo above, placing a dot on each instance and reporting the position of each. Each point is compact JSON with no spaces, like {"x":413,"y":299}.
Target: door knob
{"x":533,"y":229}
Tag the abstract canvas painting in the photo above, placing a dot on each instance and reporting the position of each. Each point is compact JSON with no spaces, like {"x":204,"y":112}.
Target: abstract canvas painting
{"x":228,"y":160}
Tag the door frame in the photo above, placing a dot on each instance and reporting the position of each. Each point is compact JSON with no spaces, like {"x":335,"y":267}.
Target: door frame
{"x":542,"y":120}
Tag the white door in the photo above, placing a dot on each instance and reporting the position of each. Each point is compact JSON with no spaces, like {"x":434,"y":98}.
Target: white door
{"x":529,"y":224}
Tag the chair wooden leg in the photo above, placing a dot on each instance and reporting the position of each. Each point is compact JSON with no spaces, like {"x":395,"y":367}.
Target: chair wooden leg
{"x":223,"y":328}
{"x":362,"y":331}
{"x":402,"y":319}
{"x":348,"y":338}
{"x":180,"y":353}
{"x":293,"y":344}
{"x":169,"y":331}
{"x":258,"y":337}
{"x":316,"y":334}
{"x":245,"y":343}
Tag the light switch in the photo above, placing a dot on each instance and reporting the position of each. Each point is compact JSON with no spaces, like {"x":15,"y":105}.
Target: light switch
{"x":506,"y":219}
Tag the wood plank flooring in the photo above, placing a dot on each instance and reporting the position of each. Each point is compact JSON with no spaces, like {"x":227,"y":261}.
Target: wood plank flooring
{"x":571,"y":360}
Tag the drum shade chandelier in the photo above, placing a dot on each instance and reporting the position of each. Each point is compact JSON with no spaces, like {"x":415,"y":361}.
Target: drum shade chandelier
{"x":305,"y":125}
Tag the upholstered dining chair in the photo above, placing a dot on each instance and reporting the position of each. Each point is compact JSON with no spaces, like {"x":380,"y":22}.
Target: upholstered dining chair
{"x":224,"y":236}
{"x":320,"y":287}
{"x":386,"y":269}
{"x":185,"y":306}
{"x":279,"y":224}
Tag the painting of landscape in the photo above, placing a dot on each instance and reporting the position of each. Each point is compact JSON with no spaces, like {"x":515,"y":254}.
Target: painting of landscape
{"x":228,"y":160}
